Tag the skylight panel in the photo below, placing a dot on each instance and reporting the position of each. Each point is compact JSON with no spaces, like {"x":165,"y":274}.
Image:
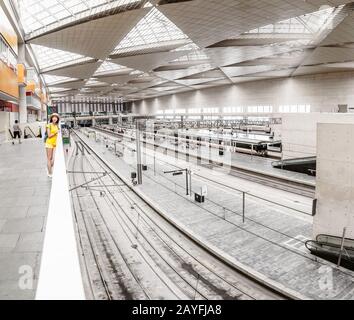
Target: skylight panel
{"x":39,"y":14}
{"x":48,"y":57}
{"x":293,"y":25}
{"x":305,"y":24}
{"x":195,"y":55}
{"x":49,"y":79}
{"x":109,"y":67}
{"x":154,"y":28}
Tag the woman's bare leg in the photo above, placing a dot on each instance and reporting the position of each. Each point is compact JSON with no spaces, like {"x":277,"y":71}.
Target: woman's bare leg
{"x":53,"y":157}
{"x":49,"y":159}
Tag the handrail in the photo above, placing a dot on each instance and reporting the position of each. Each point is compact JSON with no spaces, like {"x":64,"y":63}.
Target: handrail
{"x":60,"y":275}
{"x":12,"y":136}
{"x":323,"y":247}
{"x":294,"y":160}
{"x":30,"y":129}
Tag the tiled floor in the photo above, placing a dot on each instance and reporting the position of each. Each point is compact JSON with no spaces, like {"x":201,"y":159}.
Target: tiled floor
{"x":24,"y":197}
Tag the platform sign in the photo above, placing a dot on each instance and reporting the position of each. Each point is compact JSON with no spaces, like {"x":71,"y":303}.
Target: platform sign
{"x":66,"y":136}
{"x":51,"y":110}
{"x":66,"y":140}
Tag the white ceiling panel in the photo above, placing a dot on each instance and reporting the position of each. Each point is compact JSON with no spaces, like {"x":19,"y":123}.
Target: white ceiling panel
{"x":69,"y":84}
{"x":148,"y":62}
{"x":213,"y":74}
{"x":329,"y":54}
{"x":177,"y":74}
{"x":117,"y":79}
{"x":345,"y":65}
{"x":240,"y":71}
{"x":80,"y":71}
{"x":208,"y":21}
{"x":293,"y":58}
{"x":192,"y":82}
{"x":276,"y":74}
{"x":307,"y":70}
{"x":232,"y":55}
{"x":170,"y":46}
{"x":248,"y":79}
{"x":96,"y":38}
{"x":343,"y":33}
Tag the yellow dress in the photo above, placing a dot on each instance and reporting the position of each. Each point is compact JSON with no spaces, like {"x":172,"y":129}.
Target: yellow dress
{"x":51,"y":143}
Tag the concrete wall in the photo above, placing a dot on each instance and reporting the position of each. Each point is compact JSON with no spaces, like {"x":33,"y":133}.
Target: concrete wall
{"x":299,"y":132}
{"x":323,"y":92}
{"x":335,"y":180}
{"x":4,"y":123}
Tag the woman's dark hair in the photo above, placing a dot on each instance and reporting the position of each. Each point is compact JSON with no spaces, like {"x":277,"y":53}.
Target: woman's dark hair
{"x":16,"y":121}
{"x":56,"y":116}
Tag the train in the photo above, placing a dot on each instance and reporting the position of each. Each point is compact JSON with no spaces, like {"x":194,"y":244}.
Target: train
{"x":253,"y":144}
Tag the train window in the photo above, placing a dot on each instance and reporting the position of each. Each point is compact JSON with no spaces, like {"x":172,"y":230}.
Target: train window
{"x":295,"y":108}
{"x":195,"y":110}
{"x":233,"y":110}
{"x":211,"y":110}
{"x":267,"y":109}
{"x":252,"y":109}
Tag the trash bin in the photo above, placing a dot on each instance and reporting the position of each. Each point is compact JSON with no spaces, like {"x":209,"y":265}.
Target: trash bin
{"x":199,"y":198}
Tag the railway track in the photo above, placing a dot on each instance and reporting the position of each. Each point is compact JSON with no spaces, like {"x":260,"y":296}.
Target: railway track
{"x":175,"y":258}
{"x":257,"y":177}
{"x":218,"y":215}
{"x":218,"y":206}
{"x":104,"y":275}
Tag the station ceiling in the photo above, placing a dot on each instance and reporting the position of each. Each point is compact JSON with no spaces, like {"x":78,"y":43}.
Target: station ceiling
{"x":136,"y":49}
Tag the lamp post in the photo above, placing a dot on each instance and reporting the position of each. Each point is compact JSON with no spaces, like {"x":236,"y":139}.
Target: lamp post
{"x":138,"y":154}
{"x":188,"y":178}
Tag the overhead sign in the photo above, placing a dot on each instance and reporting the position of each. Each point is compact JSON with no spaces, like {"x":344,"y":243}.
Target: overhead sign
{"x":52,"y":110}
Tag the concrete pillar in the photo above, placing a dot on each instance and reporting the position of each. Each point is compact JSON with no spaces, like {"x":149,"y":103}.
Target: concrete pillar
{"x":22,"y":89}
{"x":110,"y":121}
{"x":335,"y":180}
{"x":93,"y":122}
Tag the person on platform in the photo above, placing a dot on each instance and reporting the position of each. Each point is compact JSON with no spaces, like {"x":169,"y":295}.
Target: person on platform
{"x":17,"y":132}
{"x":52,"y":131}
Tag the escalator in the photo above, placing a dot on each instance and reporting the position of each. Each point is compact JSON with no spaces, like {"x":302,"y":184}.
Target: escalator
{"x":11,"y":134}
{"x":31,"y":134}
{"x":329,"y":248}
{"x":302,"y":165}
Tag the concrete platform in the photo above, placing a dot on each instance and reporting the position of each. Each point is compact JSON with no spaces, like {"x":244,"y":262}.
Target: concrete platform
{"x":270,"y":242}
{"x":24,"y":197}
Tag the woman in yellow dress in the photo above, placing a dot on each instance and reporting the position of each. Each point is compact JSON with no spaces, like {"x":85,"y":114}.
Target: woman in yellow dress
{"x":51,"y":141}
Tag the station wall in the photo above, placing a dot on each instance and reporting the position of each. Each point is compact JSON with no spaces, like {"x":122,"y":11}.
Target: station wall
{"x":323,"y":92}
{"x":8,"y":81}
{"x":299,"y":132}
{"x":335,"y":180}
{"x":4,"y":124}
